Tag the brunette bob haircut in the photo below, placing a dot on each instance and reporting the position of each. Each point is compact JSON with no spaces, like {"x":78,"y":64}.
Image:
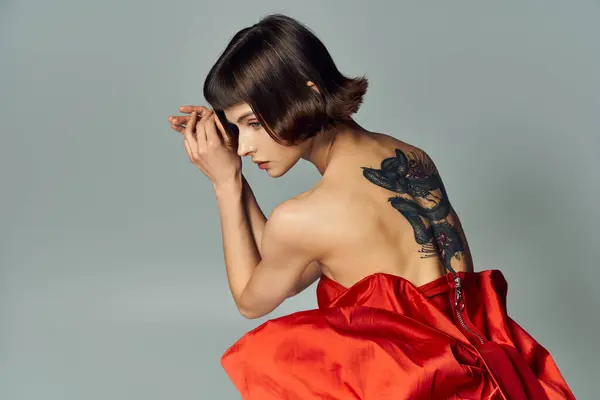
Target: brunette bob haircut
{"x":268,"y":66}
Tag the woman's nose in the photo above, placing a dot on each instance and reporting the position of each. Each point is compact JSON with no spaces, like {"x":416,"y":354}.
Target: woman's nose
{"x":245,"y":146}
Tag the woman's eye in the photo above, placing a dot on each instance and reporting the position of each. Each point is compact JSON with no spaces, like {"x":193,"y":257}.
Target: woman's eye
{"x":255,"y":124}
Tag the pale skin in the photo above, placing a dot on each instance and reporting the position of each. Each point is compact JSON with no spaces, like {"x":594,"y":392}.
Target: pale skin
{"x":342,"y":228}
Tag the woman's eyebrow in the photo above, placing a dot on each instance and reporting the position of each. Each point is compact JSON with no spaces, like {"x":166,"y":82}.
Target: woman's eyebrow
{"x":244,"y":115}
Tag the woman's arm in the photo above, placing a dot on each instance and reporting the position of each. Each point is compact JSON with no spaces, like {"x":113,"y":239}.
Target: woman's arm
{"x":257,"y":221}
{"x":256,"y":217}
{"x":258,"y":285}
{"x":239,"y":246}
{"x":289,"y":245}
{"x":209,"y":148}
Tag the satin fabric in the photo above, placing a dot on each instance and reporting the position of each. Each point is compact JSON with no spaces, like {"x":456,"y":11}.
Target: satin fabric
{"x":385,"y":338}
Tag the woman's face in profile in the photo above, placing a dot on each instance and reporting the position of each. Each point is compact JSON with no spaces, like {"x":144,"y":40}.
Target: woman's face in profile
{"x":254,"y":141}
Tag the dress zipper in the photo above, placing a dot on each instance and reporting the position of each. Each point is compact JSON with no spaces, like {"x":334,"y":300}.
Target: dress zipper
{"x":460,"y":306}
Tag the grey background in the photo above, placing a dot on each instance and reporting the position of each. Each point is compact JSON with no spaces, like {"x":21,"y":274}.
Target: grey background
{"x":112,"y":282}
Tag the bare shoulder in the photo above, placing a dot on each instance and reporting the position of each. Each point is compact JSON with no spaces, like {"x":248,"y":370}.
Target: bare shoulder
{"x":295,"y":218}
{"x":308,"y":217}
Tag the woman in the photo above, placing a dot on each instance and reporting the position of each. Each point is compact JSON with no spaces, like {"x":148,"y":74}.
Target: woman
{"x":401,"y":312}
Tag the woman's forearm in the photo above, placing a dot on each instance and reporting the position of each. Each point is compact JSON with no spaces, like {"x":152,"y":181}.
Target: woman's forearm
{"x":239,"y":246}
{"x":255,"y":216}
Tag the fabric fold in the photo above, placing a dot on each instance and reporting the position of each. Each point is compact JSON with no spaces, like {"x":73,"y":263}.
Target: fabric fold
{"x":384,"y":338}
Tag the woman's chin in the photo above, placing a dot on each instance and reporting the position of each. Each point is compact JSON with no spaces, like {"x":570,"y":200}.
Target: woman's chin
{"x":275,"y":172}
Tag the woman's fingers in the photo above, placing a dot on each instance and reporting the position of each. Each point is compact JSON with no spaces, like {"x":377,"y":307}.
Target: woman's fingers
{"x":199,"y":133}
{"x":178,"y":128}
{"x":213,"y":139}
{"x":201,"y":130}
{"x":182,"y":119}
{"x":188,"y":109}
{"x":222,"y":132}
{"x":188,"y":133}
{"x":178,"y":120}
{"x":188,"y":150}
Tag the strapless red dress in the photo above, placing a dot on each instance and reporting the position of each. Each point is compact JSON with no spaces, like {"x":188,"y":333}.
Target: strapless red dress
{"x":384,"y":338}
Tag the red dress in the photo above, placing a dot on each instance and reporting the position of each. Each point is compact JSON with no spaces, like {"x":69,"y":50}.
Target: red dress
{"x":384,"y":338}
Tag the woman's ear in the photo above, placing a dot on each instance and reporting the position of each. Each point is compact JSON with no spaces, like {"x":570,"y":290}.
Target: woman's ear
{"x":312,"y":85}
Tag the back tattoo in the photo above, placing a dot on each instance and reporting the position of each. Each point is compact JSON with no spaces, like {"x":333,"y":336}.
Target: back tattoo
{"x":427,"y":206}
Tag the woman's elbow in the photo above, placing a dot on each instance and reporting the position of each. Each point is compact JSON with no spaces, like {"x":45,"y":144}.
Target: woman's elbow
{"x":250,"y":312}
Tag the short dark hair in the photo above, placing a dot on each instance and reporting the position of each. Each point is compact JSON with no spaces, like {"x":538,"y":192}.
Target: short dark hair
{"x":268,"y":65}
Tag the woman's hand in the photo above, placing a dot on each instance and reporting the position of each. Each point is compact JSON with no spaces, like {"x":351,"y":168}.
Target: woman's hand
{"x":208,"y":145}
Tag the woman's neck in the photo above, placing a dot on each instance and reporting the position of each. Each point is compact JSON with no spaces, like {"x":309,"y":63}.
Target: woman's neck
{"x":323,"y":146}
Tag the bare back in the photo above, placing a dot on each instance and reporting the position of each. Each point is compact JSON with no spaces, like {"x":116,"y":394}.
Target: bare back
{"x":382,"y":207}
